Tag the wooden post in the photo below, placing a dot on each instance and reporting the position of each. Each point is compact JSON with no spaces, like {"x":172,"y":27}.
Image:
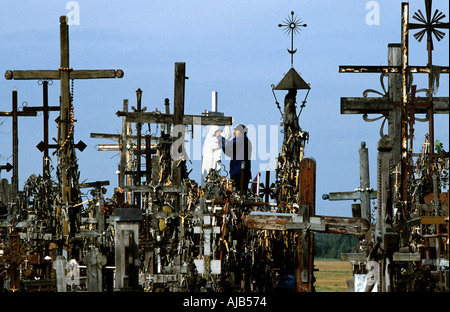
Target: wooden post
{"x":178,"y":113}
{"x":364,"y":181}
{"x":123,"y":147}
{"x":137,"y":172}
{"x":307,"y":201}
{"x":65,"y":118}
{"x":394,"y":92}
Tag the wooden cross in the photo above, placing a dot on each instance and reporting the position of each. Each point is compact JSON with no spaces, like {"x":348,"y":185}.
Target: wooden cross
{"x":15,"y":139}
{"x":14,"y":257}
{"x":123,"y":145}
{"x":64,"y":73}
{"x":364,"y":192}
{"x":43,"y":146}
{"x":306,"y":222}
{"x":390,"y":103}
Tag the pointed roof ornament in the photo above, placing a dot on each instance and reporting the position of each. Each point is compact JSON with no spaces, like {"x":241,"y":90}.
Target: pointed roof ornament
{"x":292,"y":80}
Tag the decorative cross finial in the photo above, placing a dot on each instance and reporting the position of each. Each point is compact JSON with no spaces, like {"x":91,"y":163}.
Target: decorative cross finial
{"x":291,"y":26}
{"x":428,"y":24}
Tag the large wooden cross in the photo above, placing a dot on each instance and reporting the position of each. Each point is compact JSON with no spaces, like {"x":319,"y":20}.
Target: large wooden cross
{"x":400,"y":137}
{"x":306,"y":222}
{"x":64,"y":73}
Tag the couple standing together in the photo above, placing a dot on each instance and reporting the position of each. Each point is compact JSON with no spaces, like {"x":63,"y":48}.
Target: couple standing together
{"x":239,"y":149}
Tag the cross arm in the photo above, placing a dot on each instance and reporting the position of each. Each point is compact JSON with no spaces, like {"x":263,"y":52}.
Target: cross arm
{"x":117,"y":136}
{"x":381,"y":105}
{"x":287,"y":221}
{"x":40,"y":108}
{"x":356,"y":195}
{"x":388,"y":69}
{"x":55,"y":74}
{"x":23,"y":113}
{"x":418,"y":26}
{"x":153,"y":117}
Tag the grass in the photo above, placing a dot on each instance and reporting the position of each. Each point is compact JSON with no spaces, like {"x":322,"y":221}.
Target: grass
{"x":332,"y":275}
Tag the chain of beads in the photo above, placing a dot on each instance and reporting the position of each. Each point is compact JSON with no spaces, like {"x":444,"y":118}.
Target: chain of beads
{"x":72,"y":119}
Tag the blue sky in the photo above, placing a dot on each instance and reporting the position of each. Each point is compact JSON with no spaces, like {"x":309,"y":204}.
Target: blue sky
{"x":233,"y":47}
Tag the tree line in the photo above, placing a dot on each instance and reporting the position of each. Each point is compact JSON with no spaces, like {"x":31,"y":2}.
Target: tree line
{"x":330,"y":246}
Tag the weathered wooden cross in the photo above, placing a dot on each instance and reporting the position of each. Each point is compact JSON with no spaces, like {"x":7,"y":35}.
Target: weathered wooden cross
{"x":390,"y":104}
{"x":306,"y":222}
{"x":399,"y":103}
{"x":64,"y":73}
{"x":399,"y":93}
{"x":364,"y":193}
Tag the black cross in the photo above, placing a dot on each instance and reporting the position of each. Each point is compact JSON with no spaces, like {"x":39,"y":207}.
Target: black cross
{"x":15,"y":138}
{"x":43,"y":146}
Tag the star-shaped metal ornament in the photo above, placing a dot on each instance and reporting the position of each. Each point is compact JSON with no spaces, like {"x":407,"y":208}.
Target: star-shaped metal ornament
{"x":292,"y":26}
{"x":428,"y":24}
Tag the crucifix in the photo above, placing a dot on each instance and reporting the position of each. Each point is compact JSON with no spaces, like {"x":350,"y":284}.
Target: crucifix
{"x":14,"y":113}
{"x":64,"y":73}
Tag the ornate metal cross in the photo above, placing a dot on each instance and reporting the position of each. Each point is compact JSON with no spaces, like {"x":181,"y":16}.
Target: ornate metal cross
{"x":292,"y":25}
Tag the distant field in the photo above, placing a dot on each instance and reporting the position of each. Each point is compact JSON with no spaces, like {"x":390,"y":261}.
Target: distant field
{"x":332,"y":275}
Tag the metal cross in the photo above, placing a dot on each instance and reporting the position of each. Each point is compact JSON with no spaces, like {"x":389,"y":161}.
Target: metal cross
{"x":428,"y":25}
{"x":292,"y":26}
